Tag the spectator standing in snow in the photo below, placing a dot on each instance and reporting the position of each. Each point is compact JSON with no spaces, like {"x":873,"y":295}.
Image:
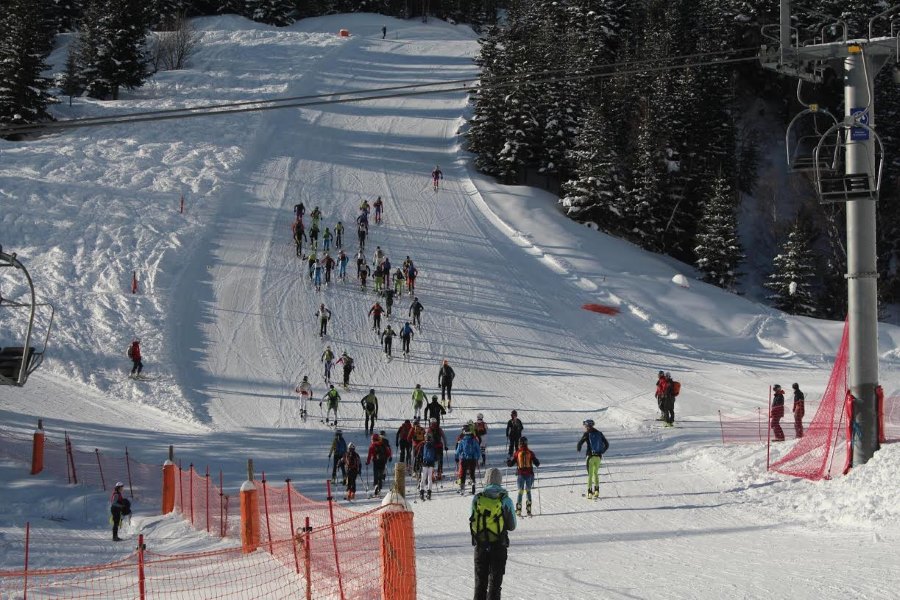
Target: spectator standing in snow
{"x":383,"y":32}
{"x":119,"y":506}
{"x":777,"y":412}
{"x":799,"y":410}
{"x":134,"y":353}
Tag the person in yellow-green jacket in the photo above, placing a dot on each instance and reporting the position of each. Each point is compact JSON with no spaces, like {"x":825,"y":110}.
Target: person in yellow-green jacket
{"x":419,"y":398}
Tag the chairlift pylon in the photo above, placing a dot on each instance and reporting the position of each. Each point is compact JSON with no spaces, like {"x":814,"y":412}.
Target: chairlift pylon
{"x":17,"y":362}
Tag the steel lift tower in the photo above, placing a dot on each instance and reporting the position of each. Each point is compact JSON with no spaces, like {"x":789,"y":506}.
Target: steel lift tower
{"x":846,"y":161}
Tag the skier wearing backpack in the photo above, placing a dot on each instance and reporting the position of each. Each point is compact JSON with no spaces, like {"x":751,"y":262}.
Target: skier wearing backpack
{"x":299,"y":236}
{"x":428,"y":456}
{"x":328,"y":360}
{"x":440,"y":443}
{"x":299,"y":209}
{"x":379,"y":455}
{"x":445,"y":382}
{"x":388,"y":294}
{"x":369,"y":404}
{"x":328,"y":263}
{"x":364,"y":272}
{"x":387,"y":339}
{"x":418,"y":399}
{"x":314,"y":236}
{"x":673,"y":388}
{"x":326,"y":240}
{"x":514,"y":430}
{"x":434,"y":410}
{"x":378,"y":276}
{"x":375,"y":313}
{"x":378,"y":205}
{"x":468,"y":453}
{"x":338,"y":450}
{"x":134,"y":353}
{"x":324,"y":316}
{"x":799,"y":410}
{"x":481,"y":430}
{"x":351,"y":462}
{"x":406,"y":336}
{"x":411,"y":274}
{"x":119,"y":506}
{"x":360,"y":261}
{"x":524,"y":460}
{"x":318,"y":270}
{"x":415,"y":311}
{"x":436,"y":176}
{"x":304,"y":389}
{"x":398,"y":281}
{"x":332,"y":400}
{"x":339,"y":235}
{"x":347,"y":361}
{"x":362,"y":229}
{"x":342,"y":261}
{"x":314,"y":216}
{"x":403,"y":442}
{"x":662,"y":385}
{"x":490,"y":520}
{"x":597,"y":445}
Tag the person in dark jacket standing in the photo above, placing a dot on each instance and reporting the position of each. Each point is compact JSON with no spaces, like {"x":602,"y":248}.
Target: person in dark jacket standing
{"x":799,"y":410}
{"x":119,"y":506}
{"x":514,"y":429}
{"x":491,"y":519}
{"x":434,"y":410}
{"x":134,"y":353}
{"x":445,"y":382}
{"x":777,"y":412}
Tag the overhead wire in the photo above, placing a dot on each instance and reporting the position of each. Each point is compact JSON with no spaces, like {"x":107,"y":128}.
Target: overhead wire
{"x":419,"y":89}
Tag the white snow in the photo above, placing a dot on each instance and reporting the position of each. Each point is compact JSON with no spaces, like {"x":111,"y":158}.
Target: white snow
{"x":226,"y":318}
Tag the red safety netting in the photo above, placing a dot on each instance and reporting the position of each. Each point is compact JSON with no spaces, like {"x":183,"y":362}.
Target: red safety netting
{"x":823,"y":451}
{"x":749,"y":429}
{"x":891,"y":419}
{"x":202,"y":502}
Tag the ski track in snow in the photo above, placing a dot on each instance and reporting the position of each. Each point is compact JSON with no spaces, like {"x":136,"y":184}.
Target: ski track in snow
{"x":228,"y":323}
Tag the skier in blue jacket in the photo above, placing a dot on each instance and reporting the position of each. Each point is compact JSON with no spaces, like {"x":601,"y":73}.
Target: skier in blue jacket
{"x":468,"y":453}
{"x":429,"y":454}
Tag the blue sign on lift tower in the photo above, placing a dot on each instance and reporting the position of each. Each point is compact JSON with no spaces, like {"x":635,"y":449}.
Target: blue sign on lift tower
{"x":860,"y":134}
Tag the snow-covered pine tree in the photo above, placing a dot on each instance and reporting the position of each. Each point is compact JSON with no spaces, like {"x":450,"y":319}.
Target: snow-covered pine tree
{"x":163,"y":14}
{"x":70,"y":82}
{"x":272,"y":12}
{"x":484,"y":136}
{"x":794,"y":272}
{"x":24,"y":41}
{"x":595,"y":192}
{"x":718,"y":248}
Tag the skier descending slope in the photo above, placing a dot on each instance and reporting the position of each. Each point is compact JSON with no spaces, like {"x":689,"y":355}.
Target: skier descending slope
{"x":597,"y":445}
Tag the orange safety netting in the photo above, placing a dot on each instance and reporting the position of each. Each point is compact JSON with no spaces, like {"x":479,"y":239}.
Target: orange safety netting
{"x":824,"y":449}
{"x":203,"y":503}
{"x":749,"y":429}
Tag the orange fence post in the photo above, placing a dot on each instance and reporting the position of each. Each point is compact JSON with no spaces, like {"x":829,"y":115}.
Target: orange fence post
{"x":307,"y":559}
{"x":337,"y":560}
{"x":398,"y":555}
{"x":249,"y":513}
{"x":168,"y":483}
{"x":287,"y":487}
{"x":37,"y":449}
{"x":142,"y":583}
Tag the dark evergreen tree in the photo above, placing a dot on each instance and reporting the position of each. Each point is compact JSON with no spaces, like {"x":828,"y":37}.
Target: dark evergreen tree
{"x":64,"y":14}
{"x":794,"y":273}
{"x":718,"y":248}
{"x":23,"y":45}
{"x":70,"y":82}
{"x":271,"y":12}
{"x":485,"y":134}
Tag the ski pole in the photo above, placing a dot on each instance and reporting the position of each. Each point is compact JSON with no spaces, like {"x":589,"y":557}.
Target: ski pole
{"x":366,"y":480}
{"x":537,"y":490}
{"x":615,"y":487}
{"x":574,"y":475}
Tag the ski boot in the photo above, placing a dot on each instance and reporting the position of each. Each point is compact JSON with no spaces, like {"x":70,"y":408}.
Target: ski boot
{"x":377,"y":490}
{"x":518,"y":510}
{"x":528,"y":508}
{"x":428,"y":495}
{"x":473,"y":489}
{"x":421,"y":494}
{"x":596,"y":493}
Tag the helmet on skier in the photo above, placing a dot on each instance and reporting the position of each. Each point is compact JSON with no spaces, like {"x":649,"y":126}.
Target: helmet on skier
{"x":588,"y":423}
{"x":376,"y":437}
{"x":776,"y":387}
{"x":795,"y":386}
{"x":372,"y":390}
{"x":351,"y":446}
{"x":470,"y":423}
{"x":434,"y":398}
{"x":514,"y":414}
{"x":662,"y":373}
{"x":305,"y":378}
{"x":419,"y":386}
{"x":415,"y":298}
{"x":523,"y":441}
{"x":338,"y":433}
{"x":480,"y":417}
{"x":382,"y":433}
{"x":331,"y":387}
{"x":137,"y":340}
{"x":668,"y":375}
{"x":406,"y":422}
{"x":119,"y":484}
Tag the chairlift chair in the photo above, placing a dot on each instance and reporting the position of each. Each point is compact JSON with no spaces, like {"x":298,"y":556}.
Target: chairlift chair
{"x":18,"y":362}
{"x":836,"y":186}
{"x":800,"y":146}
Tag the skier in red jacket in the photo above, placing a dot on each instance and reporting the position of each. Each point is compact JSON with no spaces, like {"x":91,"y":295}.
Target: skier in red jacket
{"x":134,"y":353}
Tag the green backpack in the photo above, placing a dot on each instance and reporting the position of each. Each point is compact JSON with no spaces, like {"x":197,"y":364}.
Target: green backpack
{"x":486,"y":523}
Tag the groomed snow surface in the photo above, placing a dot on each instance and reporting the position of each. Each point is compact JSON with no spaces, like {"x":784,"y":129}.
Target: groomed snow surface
{"x":226,"y":318}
